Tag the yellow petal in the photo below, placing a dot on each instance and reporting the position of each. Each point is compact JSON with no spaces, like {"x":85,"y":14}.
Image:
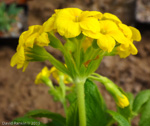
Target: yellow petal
{"x":49,"y":24}
{"x":119,"y":37}
{"x":67,"y":22}
{"x":44,"y":73}
{"x":126,"y":30}
{"x":25,"y":65}
{"x":69,"y":29}
{"x":106,"y":43}
{"x":31,"y":39}
{"x":18,"y":58}
{"x":135,"y":34}
{"x":123,"y":54}
{"x":133,"y":49}
{"x":90,"y":24}
{"x":91,"y":34}
{"x":28,"y":37}
{"x":109,"y":16}
{"x":95,"y":14}
{"x":42,"y":40}
{"x":108,"y":26}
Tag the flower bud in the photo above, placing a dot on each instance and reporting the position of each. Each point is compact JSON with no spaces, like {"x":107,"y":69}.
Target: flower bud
{"x":123,"y":101}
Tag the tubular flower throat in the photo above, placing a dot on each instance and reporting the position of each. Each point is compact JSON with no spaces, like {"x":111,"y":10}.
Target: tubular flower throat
{"x":123,"y":101}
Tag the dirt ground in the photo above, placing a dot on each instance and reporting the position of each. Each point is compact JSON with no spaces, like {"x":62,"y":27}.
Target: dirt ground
{"x":19,"y":94}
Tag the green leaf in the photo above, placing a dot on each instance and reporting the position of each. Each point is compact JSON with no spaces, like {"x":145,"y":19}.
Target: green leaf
{"x":145,"y":115}
{"x":131,"y":99}
{"x":47,"y":114}
{"x":54,"y":123}
{"x":125,"y":112}
{"x":140,"y":100}
{"x":26,"y":121}
{"x":95,"y":107}
{"x":119,"y":118}
{"x":72,"y":115}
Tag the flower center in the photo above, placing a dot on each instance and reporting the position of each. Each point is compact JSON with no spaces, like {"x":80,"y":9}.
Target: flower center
{"x":77,"y":18}
{"x":103,"y":31}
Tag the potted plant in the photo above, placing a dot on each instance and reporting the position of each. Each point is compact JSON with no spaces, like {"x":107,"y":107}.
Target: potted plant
{"x":12,"y":18}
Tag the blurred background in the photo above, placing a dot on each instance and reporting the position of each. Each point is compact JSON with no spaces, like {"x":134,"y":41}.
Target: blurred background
{"x":19,"y":94}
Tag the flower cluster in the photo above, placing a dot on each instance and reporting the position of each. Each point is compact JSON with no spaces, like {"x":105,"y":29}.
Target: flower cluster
{"x":107,"y":29}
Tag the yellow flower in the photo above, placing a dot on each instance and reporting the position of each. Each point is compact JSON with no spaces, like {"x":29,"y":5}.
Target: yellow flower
{"x":56,"y":75}
{"x":132,"y":34}
{"x":123,"y":101}
{"x":70,"y":22}
{"x":34,"y":35}
{"x":44,"y":73}
{"x":109,"y":34}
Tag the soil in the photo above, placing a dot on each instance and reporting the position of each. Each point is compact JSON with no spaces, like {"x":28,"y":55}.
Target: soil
{"x":19,"y":94}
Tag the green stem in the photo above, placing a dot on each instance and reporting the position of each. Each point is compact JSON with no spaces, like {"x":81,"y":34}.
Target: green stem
{"x":64,"y":105}
{"x":81,"y":103}
{"x":110,"y":86}
{"x":59,"y":65}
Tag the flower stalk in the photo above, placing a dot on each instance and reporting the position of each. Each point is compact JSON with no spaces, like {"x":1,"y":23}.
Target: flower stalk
{"x":81,"y":102}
